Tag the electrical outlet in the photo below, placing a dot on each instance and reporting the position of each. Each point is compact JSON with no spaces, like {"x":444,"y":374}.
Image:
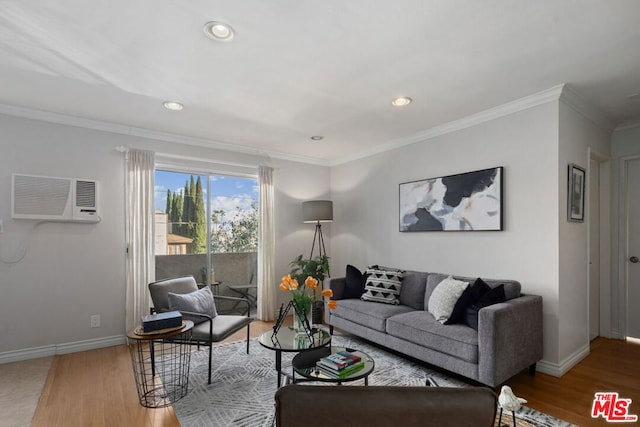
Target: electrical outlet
{"x":95,"y":321}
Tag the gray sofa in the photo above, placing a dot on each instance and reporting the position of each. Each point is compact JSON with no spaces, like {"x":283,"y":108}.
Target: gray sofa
{"x":508,"y":339}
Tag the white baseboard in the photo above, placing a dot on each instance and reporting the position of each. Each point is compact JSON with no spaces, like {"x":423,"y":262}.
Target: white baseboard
{"x":559,"y":369}
{"x":64,"y":348}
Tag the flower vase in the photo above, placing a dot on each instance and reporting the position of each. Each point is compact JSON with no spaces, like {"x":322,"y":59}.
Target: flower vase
{"x":302,"y":312}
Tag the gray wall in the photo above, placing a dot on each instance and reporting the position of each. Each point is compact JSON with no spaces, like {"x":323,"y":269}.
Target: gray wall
{"x":534,"y":145}
{"x":71,"y":271}
{"x":625,"y":143}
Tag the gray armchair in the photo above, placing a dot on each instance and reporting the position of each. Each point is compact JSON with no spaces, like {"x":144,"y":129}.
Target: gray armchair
{"x":209,"y":329}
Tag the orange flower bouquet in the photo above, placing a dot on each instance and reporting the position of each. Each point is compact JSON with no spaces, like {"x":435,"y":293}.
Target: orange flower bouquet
{"x":303,"y":281}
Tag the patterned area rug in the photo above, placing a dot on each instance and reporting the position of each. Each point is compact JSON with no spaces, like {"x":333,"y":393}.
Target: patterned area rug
{"x":242,"y":386}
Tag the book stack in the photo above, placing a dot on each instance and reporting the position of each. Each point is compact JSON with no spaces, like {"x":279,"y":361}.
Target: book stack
{"x":340,"y":364}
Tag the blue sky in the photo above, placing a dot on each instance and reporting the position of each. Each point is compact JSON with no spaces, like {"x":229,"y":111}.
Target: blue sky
{"x":227,"y":192}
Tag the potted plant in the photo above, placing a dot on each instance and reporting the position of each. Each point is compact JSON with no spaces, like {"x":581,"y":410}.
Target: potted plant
{"x":317,"y":267}
{"x":303,"y":280}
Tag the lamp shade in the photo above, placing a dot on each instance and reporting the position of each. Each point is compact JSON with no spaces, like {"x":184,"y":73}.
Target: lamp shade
{"x":317,"y":210}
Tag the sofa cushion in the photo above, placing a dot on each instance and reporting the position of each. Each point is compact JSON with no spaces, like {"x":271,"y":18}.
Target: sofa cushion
{"x":369,"y":314}
{"x":354,"y":282}
{"x":413,"y":288}
{"x":421,"y":328}
{"x":444,"y":296}
{"x":383,"y":286}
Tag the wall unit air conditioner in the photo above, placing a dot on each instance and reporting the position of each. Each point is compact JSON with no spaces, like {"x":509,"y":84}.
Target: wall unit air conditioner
{"x":54,"y":199}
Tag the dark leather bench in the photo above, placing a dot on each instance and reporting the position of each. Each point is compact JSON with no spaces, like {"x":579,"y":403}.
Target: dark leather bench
{"x":383,"y":406}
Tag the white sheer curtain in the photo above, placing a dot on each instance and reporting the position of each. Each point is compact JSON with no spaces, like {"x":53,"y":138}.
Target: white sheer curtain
{"x":266,"y":247}
{"x":140,"y":231}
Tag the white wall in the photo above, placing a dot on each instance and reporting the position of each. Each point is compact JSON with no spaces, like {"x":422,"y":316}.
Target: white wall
{"x":71,"y":271}
{"x":365,"y":195}
{"x":624,"y":143}
{"x":295,"y":183}
{"x":577,"y":134}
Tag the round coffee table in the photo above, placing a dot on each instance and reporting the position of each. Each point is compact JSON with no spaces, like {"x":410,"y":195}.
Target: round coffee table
{"x":288,"y":340}
{"x":304,"y":364}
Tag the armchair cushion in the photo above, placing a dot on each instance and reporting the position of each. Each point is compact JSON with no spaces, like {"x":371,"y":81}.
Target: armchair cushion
{"x":200,"y":301}
{"x":220,"y":328}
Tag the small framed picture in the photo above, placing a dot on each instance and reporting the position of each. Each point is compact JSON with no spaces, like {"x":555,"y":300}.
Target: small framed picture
{"x":575,"y":194}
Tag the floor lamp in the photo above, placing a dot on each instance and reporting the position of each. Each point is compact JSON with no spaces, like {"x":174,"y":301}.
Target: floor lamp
{"x":317,"y":211}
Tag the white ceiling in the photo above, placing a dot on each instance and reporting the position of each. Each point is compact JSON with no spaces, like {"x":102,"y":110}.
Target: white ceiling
{"x":299,"y":68}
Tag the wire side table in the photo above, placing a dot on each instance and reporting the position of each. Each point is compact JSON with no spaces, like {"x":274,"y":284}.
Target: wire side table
{"x":160,"y":363}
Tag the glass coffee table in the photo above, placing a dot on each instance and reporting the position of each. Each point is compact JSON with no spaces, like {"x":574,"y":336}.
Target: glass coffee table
{"x":304,"y":364}
{"x":288,"y":340}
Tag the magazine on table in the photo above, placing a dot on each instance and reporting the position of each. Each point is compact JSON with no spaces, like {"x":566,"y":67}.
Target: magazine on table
{"x":340,"y":360}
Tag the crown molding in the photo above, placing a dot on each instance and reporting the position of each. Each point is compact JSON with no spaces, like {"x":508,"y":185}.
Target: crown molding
{"x":560,"y":92}
{"x":543,"y":97}
{"x":570,"y":97}
{"x":627,"y":125}
{"x":100,"y":125}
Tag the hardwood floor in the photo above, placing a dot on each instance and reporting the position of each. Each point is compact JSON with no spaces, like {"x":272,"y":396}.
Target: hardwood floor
{"x":96,"y":388}
{"x":613,"y":365}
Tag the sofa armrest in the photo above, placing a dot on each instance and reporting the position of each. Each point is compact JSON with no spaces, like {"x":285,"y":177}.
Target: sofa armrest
{"x":509,"y":338}
{"x":338,"y":286}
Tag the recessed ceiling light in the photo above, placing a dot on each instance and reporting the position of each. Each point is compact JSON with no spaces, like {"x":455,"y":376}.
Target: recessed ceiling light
{"x":218,"y":31}
{"x":317,"y":138}
{"x":401,"y":101}
{"x":172,"y":105}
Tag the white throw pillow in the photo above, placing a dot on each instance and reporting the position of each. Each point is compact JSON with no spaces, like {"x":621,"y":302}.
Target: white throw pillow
{"x":444,"y":298}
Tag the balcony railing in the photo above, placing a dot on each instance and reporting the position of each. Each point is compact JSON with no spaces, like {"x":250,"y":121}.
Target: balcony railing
{"x":231,"y":269}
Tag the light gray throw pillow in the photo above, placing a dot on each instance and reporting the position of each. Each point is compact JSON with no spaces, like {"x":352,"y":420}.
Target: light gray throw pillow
{"x":444,"y":298}
{"x":200,"y":301}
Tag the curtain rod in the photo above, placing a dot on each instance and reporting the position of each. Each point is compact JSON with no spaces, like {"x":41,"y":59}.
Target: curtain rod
{"x":123,"y":149}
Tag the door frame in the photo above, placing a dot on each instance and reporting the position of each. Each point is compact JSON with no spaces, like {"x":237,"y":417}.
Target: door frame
{"x":604,"y":257}
{"x":623,"y":233}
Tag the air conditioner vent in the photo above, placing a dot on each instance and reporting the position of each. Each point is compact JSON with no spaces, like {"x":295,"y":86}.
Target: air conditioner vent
{"x":86,"y":194}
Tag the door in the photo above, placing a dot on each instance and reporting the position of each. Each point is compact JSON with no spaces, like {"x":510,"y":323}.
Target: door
{"x":594,"y":249}
{"x":633,"y":247}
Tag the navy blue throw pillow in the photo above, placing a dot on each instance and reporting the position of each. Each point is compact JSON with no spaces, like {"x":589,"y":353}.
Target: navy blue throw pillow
{"x":469,"y":296}
{"x":355,"y":282}
{"x":492,"y":296}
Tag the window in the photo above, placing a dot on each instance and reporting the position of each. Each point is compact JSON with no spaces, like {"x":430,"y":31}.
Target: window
{"x":206,"y":226}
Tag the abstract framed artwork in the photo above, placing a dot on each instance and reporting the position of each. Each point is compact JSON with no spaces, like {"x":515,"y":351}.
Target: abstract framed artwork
{"x":469,"y":201}
{"x":575,"y":194}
